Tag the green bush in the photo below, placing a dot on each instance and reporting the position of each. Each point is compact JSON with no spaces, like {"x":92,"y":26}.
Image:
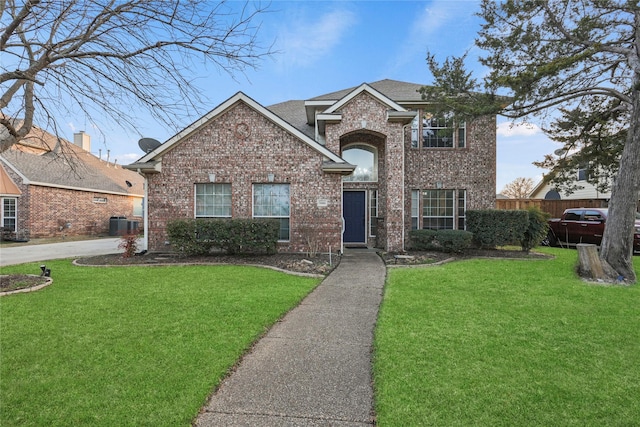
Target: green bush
{"x":184,"y":238}
{"x":234,"y":236}
{"x":454,"y":240}
{"x":537,"y":229}
{"x":492,"y":228}
{"x":440,"y":240}
{"x":422,"y":240}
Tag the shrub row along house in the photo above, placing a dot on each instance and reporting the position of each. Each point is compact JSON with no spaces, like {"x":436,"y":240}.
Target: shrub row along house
{"x":52,"y":188}
{"x":358,"y":167}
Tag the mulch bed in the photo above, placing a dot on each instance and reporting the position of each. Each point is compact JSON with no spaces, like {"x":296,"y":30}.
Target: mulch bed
{"x":13,"y":282}
{"x":320,"y":264}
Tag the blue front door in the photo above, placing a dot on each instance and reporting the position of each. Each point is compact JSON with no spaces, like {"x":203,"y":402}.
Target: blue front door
{"x":354,"y":213}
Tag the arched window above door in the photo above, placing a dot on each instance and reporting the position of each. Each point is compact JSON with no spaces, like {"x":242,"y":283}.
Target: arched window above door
{"x":365,"y":157}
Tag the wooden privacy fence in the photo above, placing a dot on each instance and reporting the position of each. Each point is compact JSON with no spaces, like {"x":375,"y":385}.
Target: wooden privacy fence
{"x":553,"y":207}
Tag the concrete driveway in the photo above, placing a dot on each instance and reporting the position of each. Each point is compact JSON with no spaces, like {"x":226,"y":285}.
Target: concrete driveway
{"x":43,"y":252}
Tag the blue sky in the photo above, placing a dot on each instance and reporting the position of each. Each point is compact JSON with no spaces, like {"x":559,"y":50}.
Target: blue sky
{"x":324,"y":46}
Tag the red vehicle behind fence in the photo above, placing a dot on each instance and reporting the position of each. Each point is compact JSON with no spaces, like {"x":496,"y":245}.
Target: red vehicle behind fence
{"x":584,"y":225}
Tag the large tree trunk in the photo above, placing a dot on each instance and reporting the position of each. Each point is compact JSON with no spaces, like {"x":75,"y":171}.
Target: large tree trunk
{"x":617,"y":242}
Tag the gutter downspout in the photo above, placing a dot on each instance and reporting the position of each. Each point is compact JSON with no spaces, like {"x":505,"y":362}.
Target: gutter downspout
{"x":404,"y":133}
{"x":145,"y":208}
{"x":342,"y":215}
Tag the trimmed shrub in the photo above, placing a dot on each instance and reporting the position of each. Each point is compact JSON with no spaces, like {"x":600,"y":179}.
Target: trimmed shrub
{"x":440,"y":240}
{"x":537,"y":229}
{"x":422,"y":240}
{"x":454,"y":240}
{"x":184,"y":238}
{"x":492,"y":228}
{"x":233,"y":236}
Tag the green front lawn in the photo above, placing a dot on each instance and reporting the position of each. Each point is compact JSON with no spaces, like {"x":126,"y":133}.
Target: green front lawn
{"x":131,"y":346}
{"x":507,"y":343}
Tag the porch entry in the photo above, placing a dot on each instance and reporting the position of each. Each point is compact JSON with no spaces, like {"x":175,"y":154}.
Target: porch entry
{"x":354,"y":210}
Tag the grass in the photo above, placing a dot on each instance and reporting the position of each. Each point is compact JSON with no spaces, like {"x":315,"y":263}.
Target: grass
{"x":504,"y":343}
{"x":131,"y":346}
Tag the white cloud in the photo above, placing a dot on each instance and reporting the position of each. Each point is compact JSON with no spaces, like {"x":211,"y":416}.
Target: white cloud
{"x":508,"y":129}
{"x":307,"y":41}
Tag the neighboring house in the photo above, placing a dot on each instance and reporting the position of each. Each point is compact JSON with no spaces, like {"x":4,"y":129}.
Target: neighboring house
{"x":549,"y":191}
{"x":52,"y":187}
{"x":358,"y":167}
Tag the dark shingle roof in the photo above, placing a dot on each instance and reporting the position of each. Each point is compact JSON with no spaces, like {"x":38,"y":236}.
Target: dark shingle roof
{"x":293,"y":112}
{"x":393,"y":89}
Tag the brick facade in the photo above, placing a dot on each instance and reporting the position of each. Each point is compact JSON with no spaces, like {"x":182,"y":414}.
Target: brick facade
{"x":472,"y":168}
{"x":243,"y":160}
{"x":269,"y":147}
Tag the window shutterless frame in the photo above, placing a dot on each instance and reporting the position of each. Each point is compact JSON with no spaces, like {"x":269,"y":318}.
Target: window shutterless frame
{"x":273,"y":201}
{"x":212,"y":200}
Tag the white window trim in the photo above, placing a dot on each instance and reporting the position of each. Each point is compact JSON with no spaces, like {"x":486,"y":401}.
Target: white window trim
{"x":455,"y":218}
{"x":365,"y":147}
{"x":253,"y":207}
{"x":195,"y":201}
{"x":371,"y":207}
{"x":2,"y":216}
{"x":456,"y":127}
{"x":417,"y":194}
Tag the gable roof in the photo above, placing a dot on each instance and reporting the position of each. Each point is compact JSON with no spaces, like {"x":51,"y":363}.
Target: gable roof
{"x":371,"y":91}
{"x":400,"y":92}
{"x":46,"y":160}
{"x":155,"y":155}
{"x":7,"y":186}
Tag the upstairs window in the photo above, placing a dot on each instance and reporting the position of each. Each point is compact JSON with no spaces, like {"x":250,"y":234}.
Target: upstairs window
{"x":583,"y":174}
{"x":366,"y":160}
{"x":438,"y":131}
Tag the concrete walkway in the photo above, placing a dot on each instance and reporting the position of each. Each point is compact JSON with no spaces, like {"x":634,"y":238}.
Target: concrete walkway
{"x":314,"y":367}
{"x":36,"y":253}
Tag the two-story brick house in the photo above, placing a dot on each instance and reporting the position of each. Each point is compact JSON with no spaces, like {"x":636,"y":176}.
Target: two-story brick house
{"x":362,"y":167}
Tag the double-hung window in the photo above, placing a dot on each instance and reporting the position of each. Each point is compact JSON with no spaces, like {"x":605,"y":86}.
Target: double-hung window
{"x":213,"y":200}
{"x":273,"y":201}
{"x":9,"y":213}
{"x":442,"y":131}
{"x":443,"y":209}
{"x":438,"y":209}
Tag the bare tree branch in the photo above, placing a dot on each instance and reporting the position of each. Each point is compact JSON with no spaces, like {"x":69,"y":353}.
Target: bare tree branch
{"x":101,"y":54}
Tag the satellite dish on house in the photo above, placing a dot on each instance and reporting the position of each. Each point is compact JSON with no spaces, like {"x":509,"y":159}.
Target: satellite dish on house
{"x":148,"y":144}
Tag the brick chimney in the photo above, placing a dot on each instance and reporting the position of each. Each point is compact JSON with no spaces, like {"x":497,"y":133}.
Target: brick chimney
{"x":82,"y":140}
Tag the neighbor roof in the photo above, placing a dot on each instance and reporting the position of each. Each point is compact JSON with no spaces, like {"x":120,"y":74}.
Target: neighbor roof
{"x":7,"y":186}
{"x":61,"y":164}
